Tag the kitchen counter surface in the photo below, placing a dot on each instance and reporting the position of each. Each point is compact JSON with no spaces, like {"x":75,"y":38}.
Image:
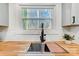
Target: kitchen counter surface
{"x":19,"y":48}
{"x":13,"y":48}
{"x":73,"y":49}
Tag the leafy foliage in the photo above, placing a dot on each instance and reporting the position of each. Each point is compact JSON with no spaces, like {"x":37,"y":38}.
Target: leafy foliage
{"x":68,"y":37}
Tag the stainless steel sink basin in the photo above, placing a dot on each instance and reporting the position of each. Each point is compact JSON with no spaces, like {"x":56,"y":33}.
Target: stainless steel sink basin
{"x":38,"y":47}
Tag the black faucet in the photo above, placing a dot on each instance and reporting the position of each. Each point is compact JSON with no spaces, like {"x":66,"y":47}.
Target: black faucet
{"x":42,"y":34}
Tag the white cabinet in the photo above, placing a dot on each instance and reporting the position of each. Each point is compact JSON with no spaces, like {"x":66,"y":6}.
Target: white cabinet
{"x":4,"y":14}
{"x":66,"y":13}
{"x":75,"y":12}
{"x":70,"y":10}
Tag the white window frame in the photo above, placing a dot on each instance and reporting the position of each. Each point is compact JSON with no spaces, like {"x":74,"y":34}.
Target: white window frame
{"x":36,"y":31}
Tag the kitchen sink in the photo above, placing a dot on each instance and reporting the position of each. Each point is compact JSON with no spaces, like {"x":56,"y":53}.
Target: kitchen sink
{"x":38,"y":47}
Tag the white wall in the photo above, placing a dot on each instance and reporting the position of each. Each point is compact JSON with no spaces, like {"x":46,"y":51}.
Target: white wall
{"x":3,"y":19}
{"x":16,"y":32}
{"x":74,"y":30}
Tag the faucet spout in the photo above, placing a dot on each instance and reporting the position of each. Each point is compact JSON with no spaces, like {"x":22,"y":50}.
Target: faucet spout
{"x":42,"y":34}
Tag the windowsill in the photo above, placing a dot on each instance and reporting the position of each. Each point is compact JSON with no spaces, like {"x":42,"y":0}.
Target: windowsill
{"x":37,"y":32}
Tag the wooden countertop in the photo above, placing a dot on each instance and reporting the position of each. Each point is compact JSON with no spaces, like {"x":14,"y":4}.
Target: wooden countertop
{"x":16,"y":48}
{"x":73,"y":49}
{"x":55,"y":48}
{"x":13,"y":48}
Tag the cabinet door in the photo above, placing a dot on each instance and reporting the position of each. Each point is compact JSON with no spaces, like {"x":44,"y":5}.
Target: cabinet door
{"x":3,"y":14}
{"x":66,"y":13}
{"x":75,"y":12}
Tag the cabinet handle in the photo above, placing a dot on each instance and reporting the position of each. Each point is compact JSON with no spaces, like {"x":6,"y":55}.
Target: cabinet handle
{"x":73,"y":19}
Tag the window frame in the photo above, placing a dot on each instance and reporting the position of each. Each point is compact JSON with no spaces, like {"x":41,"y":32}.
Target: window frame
{"x":40,"y":6}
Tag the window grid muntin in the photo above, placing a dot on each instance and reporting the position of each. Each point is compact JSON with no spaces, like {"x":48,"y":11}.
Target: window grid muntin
{"x":51,"y":18}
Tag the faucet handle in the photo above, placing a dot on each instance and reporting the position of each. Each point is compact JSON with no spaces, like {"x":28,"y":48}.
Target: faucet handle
{"x":44,"y":34}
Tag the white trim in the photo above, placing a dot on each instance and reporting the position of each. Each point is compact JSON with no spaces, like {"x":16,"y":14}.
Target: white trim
{"x":39,"y":6}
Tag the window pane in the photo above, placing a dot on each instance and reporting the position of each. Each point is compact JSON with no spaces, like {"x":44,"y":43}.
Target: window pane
{"x":46,"y":22}
{"x":33,"y":24}
{"x":24,"y":12}
{"x":32,"y":13}
{"x":44,"y":13}
{"x":32,"y":18}
{"x":25,"y":24}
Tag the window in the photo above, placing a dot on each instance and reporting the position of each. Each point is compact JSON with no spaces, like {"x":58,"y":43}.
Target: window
{"x":33,"y":17}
